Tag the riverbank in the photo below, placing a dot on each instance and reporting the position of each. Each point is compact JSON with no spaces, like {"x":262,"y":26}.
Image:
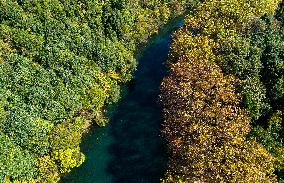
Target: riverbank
{"x":130,"y":147}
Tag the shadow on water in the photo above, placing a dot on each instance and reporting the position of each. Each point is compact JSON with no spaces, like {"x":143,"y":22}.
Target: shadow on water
{"x":130,"y":149}
{"x":138,"y":153}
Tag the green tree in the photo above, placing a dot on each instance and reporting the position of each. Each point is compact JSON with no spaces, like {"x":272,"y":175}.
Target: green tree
{"x":59,"y":59}
{"x":15,"y":162}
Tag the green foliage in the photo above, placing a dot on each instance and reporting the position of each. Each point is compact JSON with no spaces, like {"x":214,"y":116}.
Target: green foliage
{"x":271,"y":40}
{"x":266,"y":35}
{"x":260,"y":66}
{"x":278,"y":89}
{"x":14,"y":161}
{"x":31,"y":133}
{"x":272,"y":138}
{"x":65,"y":139}
{"x":280,"y":12}
{"x":61,"y":58}
{"x":67,"y":134}
{"x":226,"y":26}
{"x":242,"y":57}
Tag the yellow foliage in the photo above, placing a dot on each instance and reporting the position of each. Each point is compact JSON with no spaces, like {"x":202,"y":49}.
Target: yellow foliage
{"x":68,"y":158}
{"x":7,"y":180}
{"x":204,"y":124}
{"x":113,"y":75}
{"x":48,"y":171}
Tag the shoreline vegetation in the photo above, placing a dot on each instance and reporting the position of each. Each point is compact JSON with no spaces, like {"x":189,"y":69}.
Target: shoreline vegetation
{"x":61,"y":62}
{"x":223,"y":95}
{"x":106,"y":147}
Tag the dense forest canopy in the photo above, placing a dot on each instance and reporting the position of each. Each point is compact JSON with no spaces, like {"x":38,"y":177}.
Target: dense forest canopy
{"x":61,"y":62}
{"x":224,"y":94}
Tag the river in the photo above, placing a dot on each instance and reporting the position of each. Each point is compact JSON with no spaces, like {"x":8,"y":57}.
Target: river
{"x":130,"y":148}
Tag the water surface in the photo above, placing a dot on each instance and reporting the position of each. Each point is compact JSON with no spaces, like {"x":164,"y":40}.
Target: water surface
{"x":130,"y":149}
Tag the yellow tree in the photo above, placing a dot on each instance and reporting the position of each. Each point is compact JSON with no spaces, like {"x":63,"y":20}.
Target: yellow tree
{"x":203,"y":122}
{"x":205,"y":127}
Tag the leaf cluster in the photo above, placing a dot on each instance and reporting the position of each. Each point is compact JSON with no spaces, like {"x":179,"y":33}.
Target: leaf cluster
{"x":216,"y":69}
{"x":61,"y":62}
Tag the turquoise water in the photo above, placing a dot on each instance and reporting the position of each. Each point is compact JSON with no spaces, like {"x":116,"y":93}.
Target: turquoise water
{"x":130,"y":149}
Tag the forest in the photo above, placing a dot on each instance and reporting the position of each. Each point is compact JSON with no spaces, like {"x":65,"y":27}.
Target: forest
{"x":63,"y":61}
{"x":223,"y":96}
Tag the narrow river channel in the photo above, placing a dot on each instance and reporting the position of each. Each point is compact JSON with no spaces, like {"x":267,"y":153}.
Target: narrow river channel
{"x":130,"y":149}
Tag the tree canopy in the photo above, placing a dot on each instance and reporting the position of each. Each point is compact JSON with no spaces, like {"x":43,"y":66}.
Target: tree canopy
{"x":61,"y":62}
{"x":224,"y":81}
